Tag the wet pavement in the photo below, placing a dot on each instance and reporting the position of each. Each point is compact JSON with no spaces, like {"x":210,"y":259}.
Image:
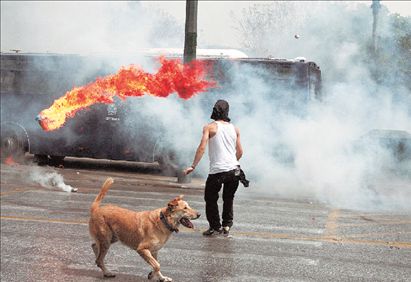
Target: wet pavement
{"x":44,"y":232}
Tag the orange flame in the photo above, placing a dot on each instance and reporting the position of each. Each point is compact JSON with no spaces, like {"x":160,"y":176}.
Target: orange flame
{"x":173,"y":76}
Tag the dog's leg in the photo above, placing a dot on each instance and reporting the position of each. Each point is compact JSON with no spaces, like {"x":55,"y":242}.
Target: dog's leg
{"x":102,"y":251}
{"x":114,"y":239}
{"x":154,"y":254}
{"x":150,"y":259}
{"x":95,"y":249}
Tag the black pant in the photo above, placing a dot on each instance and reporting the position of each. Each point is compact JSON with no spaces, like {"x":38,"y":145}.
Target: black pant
{"x":212,"y":188}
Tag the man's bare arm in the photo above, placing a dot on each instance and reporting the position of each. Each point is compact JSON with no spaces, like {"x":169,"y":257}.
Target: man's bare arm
{"x":202,"y":147}
{"x":200,"y":150}
{"x":239,"y":148}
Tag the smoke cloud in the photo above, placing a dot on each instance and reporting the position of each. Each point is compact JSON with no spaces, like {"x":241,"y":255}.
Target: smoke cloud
{"x":324,"y":150}
{"x":49,"y":179}
{"x":329,"y":164}
{"x":86,"y":27}
{"x":328,"y":149}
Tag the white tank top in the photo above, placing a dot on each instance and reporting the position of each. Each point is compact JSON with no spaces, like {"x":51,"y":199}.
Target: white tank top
{"x":222,"y":148}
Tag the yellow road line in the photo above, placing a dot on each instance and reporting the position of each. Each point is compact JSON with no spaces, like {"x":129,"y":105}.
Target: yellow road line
{"x":263,"y":235}
{"x":367,"y":217}
{"x":62,"y":221}
{"x":404,"y":245}
{"x":18,"y":190}
{"x":331,"y":225}
{"x":330,"y":239}
{"x":402,"y":222}
{"x":371,"y":234}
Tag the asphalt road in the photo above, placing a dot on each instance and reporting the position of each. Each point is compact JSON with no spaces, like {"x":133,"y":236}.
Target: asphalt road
{"x":44,"y":232}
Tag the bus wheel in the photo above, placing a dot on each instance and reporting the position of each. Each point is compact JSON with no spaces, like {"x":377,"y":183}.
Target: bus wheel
{"x":56,"y":160}
{"x":41,"y":160}
{"x":14,"y":142}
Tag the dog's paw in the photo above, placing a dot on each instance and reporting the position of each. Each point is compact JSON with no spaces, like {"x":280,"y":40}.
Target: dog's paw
{"x":109,"y":275}
{"x":158,"y":277}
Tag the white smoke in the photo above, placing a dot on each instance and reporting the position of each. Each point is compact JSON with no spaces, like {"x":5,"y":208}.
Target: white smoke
{"x":86,"y":27}
{"x":49,"y":179}
{"x":311,"y":150}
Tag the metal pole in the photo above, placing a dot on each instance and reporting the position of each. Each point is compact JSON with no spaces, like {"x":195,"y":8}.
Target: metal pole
{"x":190,"y":40}
{"x":375,"y":6}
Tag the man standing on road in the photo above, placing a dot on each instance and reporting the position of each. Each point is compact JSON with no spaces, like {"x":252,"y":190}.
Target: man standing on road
{"x":225,"y":151}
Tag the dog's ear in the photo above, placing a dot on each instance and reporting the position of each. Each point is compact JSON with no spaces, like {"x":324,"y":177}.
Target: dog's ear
{"x":174,"y":202}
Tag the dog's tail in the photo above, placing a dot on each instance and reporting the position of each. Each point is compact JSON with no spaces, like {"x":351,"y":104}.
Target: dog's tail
{"x":100,"y":196}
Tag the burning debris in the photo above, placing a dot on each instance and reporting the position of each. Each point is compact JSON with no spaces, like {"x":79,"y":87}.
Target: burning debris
{"x":173,"y":76}
{"x":10,"y":161}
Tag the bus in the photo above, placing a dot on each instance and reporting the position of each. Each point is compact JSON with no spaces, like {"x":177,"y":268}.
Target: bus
{"x":30,"y":82}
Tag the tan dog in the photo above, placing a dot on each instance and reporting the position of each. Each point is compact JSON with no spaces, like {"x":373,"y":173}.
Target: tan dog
{"x":146,"y":231}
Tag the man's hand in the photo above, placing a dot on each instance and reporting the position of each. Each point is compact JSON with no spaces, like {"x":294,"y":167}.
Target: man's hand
{"x":188,"y":170}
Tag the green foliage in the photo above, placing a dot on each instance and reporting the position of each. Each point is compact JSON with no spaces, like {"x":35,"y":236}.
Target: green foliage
{"x":338,"y":36}
{"x":392,"y":57}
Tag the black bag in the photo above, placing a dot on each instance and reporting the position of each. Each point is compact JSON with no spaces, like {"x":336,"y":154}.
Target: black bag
{"x":239,"y":173}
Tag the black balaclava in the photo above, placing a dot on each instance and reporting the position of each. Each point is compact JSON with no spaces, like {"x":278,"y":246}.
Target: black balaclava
{"x":220,"y":111}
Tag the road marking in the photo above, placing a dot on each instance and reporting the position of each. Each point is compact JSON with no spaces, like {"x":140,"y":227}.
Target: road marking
{"x":331,"y":225}
{"x":330,"y":239}
{"x":402,"y":222}
{"x":349,"y":236}
{"x":39,"y":219}
{"x":18,"y":190}
{"x":288,"y":240}
{"x":264,"y":235}
{"x":272,"y":227}
{"x":114,"y":191}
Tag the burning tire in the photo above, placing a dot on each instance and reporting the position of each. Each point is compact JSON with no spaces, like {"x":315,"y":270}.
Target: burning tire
{"x":14,"y":141}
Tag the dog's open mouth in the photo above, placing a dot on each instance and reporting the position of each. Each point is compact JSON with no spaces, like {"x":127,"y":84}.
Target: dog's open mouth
{"x":186,"y":222}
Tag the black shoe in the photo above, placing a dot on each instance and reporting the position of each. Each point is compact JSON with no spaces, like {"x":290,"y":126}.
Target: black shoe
{"x":226,"y":231}
{"x":211,"y":232}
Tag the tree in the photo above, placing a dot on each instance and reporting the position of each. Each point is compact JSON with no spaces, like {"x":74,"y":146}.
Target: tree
{"x":166,"y":31}
{"x":337,"y":35}
{"x":261,"y":26}
{"x":391,"y":63}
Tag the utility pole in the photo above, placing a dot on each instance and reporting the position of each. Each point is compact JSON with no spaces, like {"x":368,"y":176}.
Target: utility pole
{"x":190,"y":47}
{"x":375,"y":6}
{"x":190,"y":40}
